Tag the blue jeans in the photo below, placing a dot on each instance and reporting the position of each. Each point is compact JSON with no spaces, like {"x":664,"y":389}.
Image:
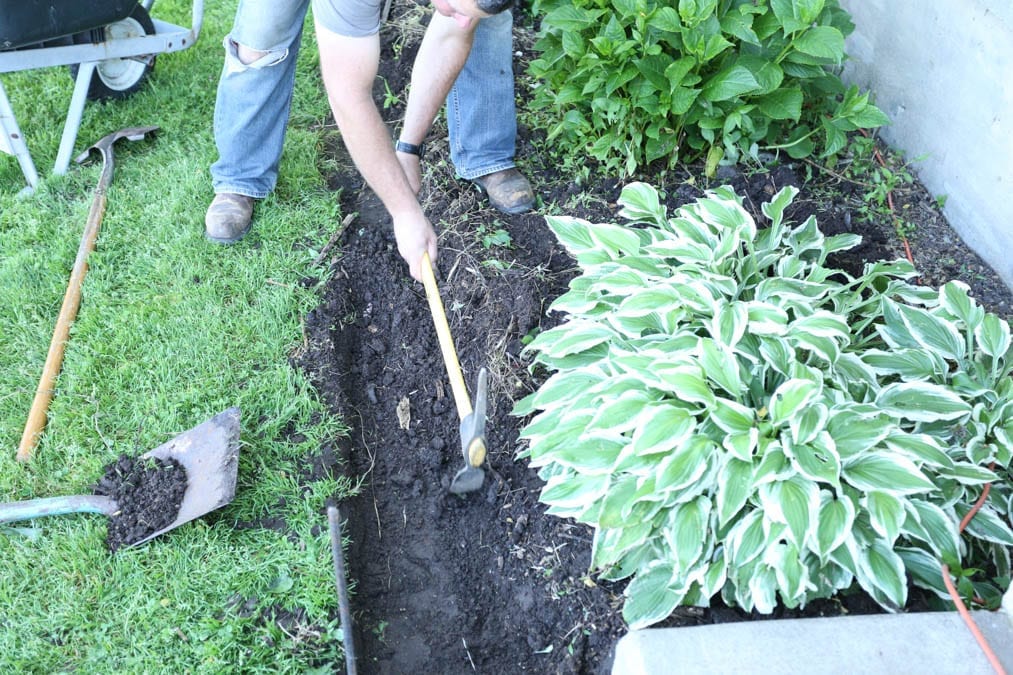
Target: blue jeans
{"x":481,"y":119}
{"x":253,"y":101}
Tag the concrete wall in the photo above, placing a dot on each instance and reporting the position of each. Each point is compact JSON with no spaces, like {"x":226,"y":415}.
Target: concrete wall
{"x":942,"y":70}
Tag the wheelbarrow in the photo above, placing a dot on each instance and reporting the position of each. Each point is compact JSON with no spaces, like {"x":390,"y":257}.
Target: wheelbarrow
{"x":109,"y":45}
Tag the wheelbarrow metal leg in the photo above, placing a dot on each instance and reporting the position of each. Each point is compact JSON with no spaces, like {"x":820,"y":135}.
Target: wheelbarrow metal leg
{"x":74,"y":114}
{"x":13,"y":141}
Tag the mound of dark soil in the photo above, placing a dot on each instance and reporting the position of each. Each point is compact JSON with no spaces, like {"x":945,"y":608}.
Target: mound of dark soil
{"x":148,"y":492}
{"x":487,"y":582}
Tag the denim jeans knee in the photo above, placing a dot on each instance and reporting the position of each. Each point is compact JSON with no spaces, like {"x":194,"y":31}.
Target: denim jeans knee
{"x":481,"y":119}
{"x":253,"y":102}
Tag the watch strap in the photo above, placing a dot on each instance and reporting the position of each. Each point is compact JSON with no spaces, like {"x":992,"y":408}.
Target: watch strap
{"x":408,"y":148}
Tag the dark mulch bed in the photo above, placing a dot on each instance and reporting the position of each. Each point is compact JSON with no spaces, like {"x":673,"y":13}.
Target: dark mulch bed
{"x":487,"y":582}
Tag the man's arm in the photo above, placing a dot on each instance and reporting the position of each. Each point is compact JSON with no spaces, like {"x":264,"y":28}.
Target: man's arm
{"x":441,"y":57}
{"x":348,"y":66}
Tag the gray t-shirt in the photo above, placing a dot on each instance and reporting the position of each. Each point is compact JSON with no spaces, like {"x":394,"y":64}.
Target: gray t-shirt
{"x":351,"y":18}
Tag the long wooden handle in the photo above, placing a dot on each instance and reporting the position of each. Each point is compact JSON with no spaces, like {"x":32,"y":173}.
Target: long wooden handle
{"x":446,"y":340}
{"x":54,"y":359}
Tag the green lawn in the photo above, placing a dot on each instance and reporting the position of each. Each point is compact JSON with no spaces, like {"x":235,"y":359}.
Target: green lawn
{"x":171,"y":330}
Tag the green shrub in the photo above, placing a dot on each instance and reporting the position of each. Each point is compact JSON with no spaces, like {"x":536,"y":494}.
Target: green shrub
{"x":734,"y":416}
{"x":634,"y":81}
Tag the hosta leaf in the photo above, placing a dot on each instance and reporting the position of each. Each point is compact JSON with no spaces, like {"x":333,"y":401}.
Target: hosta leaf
{"x":734,"y":487}
{"x":663,"y":428}
{"x":688,"y":383}
{"x":790,"y":398}
{"x":793,"y":502}
{"x":833,"y":525}
{"x":573,"y":233}
{"x":579,"y":335}
{"x":684,"y":466}
{"x":569,"y":490}
{"x":763,"y":589}
{"x":620,"y":281}
{"x":564,"y":386}
{"x":731,"y":416}
{"x":855,"y":433}
{"x":640,"y":202}
{"x":930,"y":524}
{"x":766,"y":318}
{"x":932,"y":332}
{"x":889,"y":472}
{"x":968,"y":474}
{"x":879,"y":567}
{"x":548,"y":433}
{"x":986,"y":524}
{"x":924,"y":570}
{"x":823,"y":347}
{"x":774,"y":466}
{"x":955,"y":297}
{"x":909,"y":364}
{"x":811,"y":422}
{"x":651,"y":597}
{"x":688,"y":531}
{"x":824,"y":324}
{"x":682,"y":251}
{"x":743,"y":444}
{"x":774,"y":209}
{"x":729,"y":323}
{"x":778,"y":355}
{"x":792,"y":576}
{"x":589,"y":455}
{"x":818,"y":461}
{"x":619,"y":414}
{"x":657,"y":298}
{"x":720,"y":365}
{"x":922,"y":402}
{"x":615,"y":505}
{"x":922,"y":448}
{"x":611,"y":543}
{"x":747,"y":538}
{"x":993,"y":336}
{"x":615,"y":240}
{"x":886,"y":514}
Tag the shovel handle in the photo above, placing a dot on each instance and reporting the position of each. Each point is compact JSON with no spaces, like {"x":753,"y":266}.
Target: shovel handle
{"x":61,"y":334}
{"x":446,"y":339}
{"x":56,"y":506}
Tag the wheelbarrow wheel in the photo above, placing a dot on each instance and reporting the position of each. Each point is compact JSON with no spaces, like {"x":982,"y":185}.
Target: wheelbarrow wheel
{"x":119,"y":78}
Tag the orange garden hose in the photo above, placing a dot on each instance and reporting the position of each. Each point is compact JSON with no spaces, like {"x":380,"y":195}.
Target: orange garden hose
{"x":955,"y":596}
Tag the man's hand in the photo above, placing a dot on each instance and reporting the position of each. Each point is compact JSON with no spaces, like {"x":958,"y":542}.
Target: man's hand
{"x":412,"y":166}
{"x":414,"y":237}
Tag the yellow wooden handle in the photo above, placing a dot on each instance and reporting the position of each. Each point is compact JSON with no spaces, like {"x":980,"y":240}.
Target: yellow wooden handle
{"x":61,"y":334}
{"x":446,"y":340}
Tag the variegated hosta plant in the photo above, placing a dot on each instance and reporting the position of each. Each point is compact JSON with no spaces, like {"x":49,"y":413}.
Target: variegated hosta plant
{"x":733,"y":416}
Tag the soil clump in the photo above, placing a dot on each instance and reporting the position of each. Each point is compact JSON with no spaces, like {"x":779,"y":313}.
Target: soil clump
{"x":148,"y":491}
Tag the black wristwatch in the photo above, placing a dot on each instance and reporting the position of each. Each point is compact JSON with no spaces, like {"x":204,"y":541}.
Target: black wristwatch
{"x":407,"y":148}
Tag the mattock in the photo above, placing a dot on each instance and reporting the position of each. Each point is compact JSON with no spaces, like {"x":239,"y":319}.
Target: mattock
{"x":471,"y":476}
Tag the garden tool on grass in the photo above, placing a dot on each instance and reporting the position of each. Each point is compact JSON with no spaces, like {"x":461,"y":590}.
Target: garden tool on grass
{"x":210,"y":455}
{"x":72,"y":298}
{"x":469,"y":478}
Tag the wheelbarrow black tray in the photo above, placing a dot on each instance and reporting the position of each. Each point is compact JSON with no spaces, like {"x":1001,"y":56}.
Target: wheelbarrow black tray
{"x":25,"y":22}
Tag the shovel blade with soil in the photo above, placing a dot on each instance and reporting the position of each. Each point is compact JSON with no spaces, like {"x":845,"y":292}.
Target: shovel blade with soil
{"x":208,"y":455}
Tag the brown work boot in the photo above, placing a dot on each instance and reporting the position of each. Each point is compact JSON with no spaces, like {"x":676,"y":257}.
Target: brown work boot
{"x":508,"y":191}
{"x":228,"y":218}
